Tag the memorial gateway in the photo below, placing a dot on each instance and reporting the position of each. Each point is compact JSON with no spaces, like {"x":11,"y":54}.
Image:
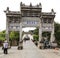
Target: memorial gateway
{"x":30,"y":16}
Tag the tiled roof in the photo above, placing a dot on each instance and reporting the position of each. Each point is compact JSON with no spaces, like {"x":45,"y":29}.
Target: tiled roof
{"x":47,"y":13}
{"x":14,"y":12}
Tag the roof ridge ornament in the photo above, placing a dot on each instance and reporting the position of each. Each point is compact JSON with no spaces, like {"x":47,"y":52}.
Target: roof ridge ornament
{"x":40,"y":5}
{"x":7,"y":10}
{"x":30,"y":4}
{"x":52,"y":11}
{"x":37,"y":5}
{"x":21,"y":3}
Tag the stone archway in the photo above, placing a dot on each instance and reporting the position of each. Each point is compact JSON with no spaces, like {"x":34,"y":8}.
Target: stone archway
{"x":29,"y":16}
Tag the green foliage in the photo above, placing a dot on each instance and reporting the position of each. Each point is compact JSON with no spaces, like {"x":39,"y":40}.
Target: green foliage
{"x":36,"y":31}
{"x":2,"y":38}
{"x":57,"y":35}
{"x":2,"y":35}
{"x":57,"y":32}
{"x":36,"y":37}
{"x":57,"y":27}
{"x":14,"y":35}
{"x":46,"y":34}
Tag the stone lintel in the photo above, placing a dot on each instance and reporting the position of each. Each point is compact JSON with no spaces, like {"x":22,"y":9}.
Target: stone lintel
{"x":13,"y":15}
{"x":48,"y":16}
{"x":34,"y":10}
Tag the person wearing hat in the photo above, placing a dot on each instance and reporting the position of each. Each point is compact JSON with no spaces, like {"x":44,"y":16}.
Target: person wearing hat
{"x":5,"y":47}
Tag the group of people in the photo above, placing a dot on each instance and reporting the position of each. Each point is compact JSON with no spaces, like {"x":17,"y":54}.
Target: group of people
{"x":46,"y":43}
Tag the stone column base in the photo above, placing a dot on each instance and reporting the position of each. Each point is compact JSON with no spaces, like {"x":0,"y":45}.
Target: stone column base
{"x":20,"y":46}
{"x":36,"y":43}
{"x":9,"y":45}
{"x":41,"y":45}
{"x":54,"y":45}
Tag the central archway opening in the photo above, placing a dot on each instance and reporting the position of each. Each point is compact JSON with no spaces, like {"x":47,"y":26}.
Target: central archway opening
{"x":31,"y":33}
{"x":28,"y":32}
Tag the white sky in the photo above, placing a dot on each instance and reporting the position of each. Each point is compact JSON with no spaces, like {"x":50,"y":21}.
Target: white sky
{"x":14,"y":5}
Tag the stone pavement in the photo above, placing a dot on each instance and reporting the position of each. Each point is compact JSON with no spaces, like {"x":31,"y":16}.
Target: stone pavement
{"x":30,"y":51}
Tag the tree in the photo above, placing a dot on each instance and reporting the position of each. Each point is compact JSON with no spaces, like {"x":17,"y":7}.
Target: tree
{"x":36,"y":34}
{"x":14,"y":35}
{"x":36,"y":37}
{"x":36,"y":31}
{"x":57,"y":36}
{"x":46,"y":34}
{"x":2,"y":35}
{"x":57,"y":32}
{"x":57,"y":27}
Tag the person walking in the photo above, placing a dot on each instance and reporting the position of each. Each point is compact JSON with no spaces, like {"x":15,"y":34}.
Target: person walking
{"x":5,"y":47}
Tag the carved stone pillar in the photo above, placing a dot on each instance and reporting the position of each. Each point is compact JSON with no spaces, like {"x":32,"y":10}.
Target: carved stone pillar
{"x":7,"y":31}
{"x":41,"y":44}
{"x":52,"y":39}
{"x":20,"y":46}
{"x":7,"y":35}
{"x":52,"y":36}
{"x":40,"y":35}
{"x":20,"y":31}
{"x":40,"y":30}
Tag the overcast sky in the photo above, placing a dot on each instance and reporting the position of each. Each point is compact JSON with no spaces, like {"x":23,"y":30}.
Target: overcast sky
{"x":14,"y":5}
